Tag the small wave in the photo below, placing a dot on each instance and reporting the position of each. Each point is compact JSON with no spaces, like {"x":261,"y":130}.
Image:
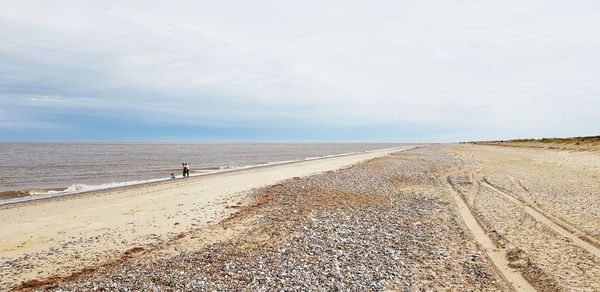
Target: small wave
{"x":80,"y":188}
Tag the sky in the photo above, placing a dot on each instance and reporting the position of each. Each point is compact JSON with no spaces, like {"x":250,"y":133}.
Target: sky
{"x":350,"y":71}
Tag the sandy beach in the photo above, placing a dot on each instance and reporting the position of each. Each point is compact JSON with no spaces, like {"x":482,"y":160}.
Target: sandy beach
{"x":457,"y":216}
{"x":59,"y":236}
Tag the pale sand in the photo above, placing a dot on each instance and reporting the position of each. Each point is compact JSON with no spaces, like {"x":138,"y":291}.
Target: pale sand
{"x":498,"y":257}
{"x":539,"y":207}
{"x":59,"y":236}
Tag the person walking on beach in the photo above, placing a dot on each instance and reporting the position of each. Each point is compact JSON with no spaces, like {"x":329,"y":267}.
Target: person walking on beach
{"x":186,"y":169}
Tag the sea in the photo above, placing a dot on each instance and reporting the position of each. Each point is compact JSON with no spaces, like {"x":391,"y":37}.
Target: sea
{"x":38,"y":168}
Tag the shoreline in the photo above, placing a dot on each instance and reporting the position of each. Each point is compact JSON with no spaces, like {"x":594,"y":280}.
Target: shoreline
{"x":65,"y":233}
{"x":26,"y":195}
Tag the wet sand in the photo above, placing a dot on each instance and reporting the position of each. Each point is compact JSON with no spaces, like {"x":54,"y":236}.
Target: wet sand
{"x":25,"y":193}
{"x":458,"y":217}
{"x":13,"y":194}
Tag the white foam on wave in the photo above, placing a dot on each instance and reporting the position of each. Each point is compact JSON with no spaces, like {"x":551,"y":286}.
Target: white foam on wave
{"x":76,"y":189}
{"x":80,"y":188}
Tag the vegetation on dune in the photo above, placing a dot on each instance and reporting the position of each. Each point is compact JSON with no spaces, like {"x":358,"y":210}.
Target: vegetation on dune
{"x":558,"y":143}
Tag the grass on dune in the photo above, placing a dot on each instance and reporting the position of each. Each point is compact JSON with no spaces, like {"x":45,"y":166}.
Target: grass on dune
{"x":593,"y":141}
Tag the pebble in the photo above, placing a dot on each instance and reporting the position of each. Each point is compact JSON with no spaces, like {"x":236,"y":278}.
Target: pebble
{"x":352,"y":229}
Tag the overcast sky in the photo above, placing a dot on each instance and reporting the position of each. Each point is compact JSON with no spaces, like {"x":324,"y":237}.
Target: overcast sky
{"x":405,"y":71}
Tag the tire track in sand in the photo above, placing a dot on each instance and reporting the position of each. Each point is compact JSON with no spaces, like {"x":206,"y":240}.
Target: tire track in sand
{"x":497,"y":255}
{"x":548,"y":220}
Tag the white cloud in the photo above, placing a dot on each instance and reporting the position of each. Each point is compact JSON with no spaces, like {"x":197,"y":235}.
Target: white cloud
{"x":484,"y":65}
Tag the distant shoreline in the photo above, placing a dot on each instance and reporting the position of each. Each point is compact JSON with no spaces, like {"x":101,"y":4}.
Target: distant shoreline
{"x":36,"y":194}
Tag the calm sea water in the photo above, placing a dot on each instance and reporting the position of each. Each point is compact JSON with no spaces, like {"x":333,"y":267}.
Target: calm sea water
{"x":62,"y":165}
